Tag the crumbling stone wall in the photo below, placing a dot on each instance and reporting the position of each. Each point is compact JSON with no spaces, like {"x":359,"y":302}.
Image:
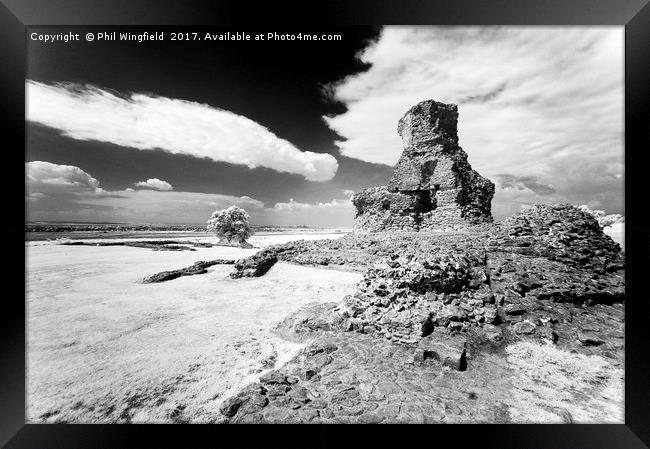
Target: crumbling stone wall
{"x":433,"y":186}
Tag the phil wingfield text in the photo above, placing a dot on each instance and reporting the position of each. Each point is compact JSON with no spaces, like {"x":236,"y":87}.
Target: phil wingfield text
{"x":109,"y":36}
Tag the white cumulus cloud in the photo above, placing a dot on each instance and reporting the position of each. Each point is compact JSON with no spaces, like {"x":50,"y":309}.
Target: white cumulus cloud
{"x":40,"y":173}
{"x":337,"y":212}
{"x":293,"y":205}
{"x":147,"y":122}
{"x":154,"y":183}
{"x":604,"y":219}
{"x":68,"y":193}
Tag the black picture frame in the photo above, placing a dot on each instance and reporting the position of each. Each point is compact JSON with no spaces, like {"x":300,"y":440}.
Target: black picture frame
{"x":634,"y":15}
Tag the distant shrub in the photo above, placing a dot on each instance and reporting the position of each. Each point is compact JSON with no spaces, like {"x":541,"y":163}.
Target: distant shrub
{"x":230,"y":225}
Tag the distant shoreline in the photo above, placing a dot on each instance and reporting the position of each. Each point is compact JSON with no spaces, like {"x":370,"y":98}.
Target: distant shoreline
{"x":67,"y":233}
{"x":126,"y":227}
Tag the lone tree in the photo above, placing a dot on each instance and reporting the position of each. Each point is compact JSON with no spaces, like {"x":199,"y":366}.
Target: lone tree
{"x":230,"y":225}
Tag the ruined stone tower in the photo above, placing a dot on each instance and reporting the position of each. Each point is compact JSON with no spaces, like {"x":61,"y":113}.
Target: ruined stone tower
{"x":433,"y":187}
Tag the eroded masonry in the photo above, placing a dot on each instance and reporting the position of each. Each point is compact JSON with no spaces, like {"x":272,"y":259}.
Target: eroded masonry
{"x":433,"y":186}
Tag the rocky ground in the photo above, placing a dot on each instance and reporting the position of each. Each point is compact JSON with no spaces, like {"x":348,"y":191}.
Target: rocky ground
{"x":355,"y":378}
{"x":520,"y":321}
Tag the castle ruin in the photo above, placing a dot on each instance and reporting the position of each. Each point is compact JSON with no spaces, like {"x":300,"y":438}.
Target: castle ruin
{"x":433,"y":187}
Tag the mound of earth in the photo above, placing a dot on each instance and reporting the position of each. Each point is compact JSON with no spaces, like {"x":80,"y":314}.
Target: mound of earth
{"x":256,"y":265}
{"x":200,"y":267}
{"x":564,"y":233}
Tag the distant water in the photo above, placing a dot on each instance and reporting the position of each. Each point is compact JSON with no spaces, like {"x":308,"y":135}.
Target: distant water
{"x":83,"y":235}
{"x":76,"y":235}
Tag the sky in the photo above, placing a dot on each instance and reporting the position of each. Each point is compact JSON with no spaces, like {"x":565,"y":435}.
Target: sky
{"x":167,"y":132}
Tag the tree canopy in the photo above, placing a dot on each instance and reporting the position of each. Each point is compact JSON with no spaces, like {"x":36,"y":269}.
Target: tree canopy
{"x":231,"y":224}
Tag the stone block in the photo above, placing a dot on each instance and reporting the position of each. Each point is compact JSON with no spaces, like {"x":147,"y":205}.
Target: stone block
{"x":447,"y":349}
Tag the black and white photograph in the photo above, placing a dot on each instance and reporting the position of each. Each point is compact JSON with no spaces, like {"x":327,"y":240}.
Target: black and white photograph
{"x":325,"y":224}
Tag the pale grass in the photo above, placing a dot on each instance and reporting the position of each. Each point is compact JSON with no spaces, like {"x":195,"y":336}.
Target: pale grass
{"x":552,"y":385}
{"x":102,"y":347}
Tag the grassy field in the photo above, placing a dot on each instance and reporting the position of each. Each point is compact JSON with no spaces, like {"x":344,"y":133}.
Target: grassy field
{"x":102,"y":347}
